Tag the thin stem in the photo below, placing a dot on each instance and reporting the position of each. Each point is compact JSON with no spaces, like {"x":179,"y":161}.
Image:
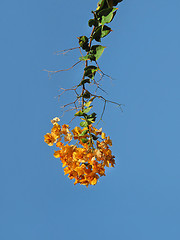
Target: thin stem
{"x":65,"y":51}
{"x":52,"y":72}
{"x":86,"y":64}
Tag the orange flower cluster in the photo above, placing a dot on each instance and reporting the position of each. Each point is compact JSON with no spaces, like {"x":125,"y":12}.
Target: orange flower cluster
{"x":86,"y":160}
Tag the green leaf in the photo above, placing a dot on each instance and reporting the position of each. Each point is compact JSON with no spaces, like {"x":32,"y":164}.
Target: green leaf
{"x":83,"y":124}
{"x":91,"y":67}
{"x":83,"y":39}
{"x":94,"y":54}
{"x":80,"y":113}
{"x":104,"y":12}
{"x":86,"y":110}
{"x":91,"y":117}
{"x":89,"y":102}
{"x":105,"y":31}
{"x":93,"y":22}
{"x":87,"y":57}
{"x":83,"y":42}
{"x":90,"y":71}
{"x":107,"y":15}
{"x":84,"y":81}
{"x":97,"y":34}
{"x":94,"y":137}
{"x":101,"y":31}
{"x":84,"y":58}
{"x":83,"y":133}
{"x":101,"y":5}
{"x":84,"y":140}
{"x":97,"y":50}
{"x":91,"y":120}
{"x":86,"y":94}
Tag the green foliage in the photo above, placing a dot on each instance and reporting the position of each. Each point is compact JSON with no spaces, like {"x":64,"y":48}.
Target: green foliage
{"x":90,"y":71}
{"x":86,"y":110}
{"x":94,"y":137}
{"x":87,"y":104}
{"x":97,"y":51}
{"x":106,"y":15}
{"x":79,"y":114}
{"x":102,"y":5}
{"x":103,"y":15}
{"x":105,"y":31}
{"x":88,"y":57}
{"x":92,"y":117}
{"x":93,"y":22}
{"x":100,"y":32}
{"x":84,"y":81}
{"x":83,"y":124}
{"x":83,"y":43}
{"x":83,"y":133}
{"x":94,"y":54}
{"x":87,"y":94}
{"x":84,"y":140}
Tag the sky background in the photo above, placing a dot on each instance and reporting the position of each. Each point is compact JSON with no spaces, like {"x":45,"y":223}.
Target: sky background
{"x":139,"y":198}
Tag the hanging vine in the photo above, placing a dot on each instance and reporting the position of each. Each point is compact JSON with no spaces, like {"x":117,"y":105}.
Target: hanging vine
{"x":85,"y":158}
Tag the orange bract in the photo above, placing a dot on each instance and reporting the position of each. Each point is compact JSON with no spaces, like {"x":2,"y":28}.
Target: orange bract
{"x":86,"y":160}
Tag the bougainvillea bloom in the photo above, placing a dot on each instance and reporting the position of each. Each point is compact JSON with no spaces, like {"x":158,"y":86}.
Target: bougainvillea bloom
{"x":86,"y":160}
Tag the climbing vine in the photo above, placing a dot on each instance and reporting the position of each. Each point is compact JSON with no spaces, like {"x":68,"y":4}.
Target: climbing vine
{"x":85,"y":151}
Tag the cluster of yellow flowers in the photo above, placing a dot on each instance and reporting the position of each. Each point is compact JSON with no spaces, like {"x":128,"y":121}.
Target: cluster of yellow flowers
{"x":84,"y":161}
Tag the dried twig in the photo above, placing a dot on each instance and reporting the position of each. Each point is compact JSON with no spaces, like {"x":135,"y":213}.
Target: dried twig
{"x":62,"y":70}
{"x":65,"y":51}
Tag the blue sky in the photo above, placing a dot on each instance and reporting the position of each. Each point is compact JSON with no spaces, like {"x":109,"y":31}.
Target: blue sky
{"x":139,"y":198}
